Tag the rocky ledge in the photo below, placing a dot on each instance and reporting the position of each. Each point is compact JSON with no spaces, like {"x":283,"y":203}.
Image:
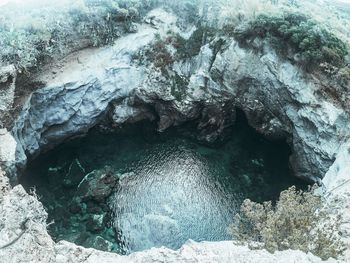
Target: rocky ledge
{"x":110,"y":85}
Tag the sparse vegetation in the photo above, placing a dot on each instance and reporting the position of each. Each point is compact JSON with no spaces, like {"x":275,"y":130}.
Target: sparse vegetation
{"x":173,"y":47}
{"x":33,"y":36}
{"x":297,"y":221}
{"x":28,"y":41}
{"x":296,"y":37}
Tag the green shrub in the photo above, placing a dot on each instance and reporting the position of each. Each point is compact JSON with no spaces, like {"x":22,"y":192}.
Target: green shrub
{"x":297,"y":221}
{"x":297,"y":37}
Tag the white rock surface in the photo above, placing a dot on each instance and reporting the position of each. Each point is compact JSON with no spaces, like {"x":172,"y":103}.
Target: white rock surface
{"x":77,"y":98}
{"x":277,"y":98}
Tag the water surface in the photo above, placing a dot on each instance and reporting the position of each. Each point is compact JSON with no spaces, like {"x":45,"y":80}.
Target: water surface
{"x":171,"y":188}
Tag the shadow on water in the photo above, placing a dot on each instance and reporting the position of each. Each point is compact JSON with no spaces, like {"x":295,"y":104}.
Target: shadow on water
{"x":147,"y":189}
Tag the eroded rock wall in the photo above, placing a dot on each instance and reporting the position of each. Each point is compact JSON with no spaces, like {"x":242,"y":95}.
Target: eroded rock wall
{"x":279,"y":100}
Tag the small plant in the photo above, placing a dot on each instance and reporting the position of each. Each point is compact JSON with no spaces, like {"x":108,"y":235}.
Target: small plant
{"x":298,"y":221}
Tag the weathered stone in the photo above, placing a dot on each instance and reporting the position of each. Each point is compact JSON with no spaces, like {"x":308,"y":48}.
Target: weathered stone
{"x":275,"y":96}
{"x":37,"y":246}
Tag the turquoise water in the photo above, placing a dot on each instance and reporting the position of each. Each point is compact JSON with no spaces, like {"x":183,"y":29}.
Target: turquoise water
{"x":170,"y":188}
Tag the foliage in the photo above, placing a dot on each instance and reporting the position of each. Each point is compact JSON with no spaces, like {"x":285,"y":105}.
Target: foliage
{"x":296,"y":37}
{"x":297,"y":221}
{"x":30,"y":37}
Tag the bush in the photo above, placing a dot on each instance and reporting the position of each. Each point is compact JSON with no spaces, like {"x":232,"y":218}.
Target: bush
{"x":297,"y":221}
{"x":297,"y":37}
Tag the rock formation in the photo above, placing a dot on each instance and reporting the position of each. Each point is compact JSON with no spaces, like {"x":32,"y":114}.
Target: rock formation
{"x":110,"y":85}
{"x":276,"y":97}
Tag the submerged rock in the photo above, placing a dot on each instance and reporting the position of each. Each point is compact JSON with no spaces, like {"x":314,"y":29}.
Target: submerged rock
{"x":96,"y":223}
{"x":97,"y":185}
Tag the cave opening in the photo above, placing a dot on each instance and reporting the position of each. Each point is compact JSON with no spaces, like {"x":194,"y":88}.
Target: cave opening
{"x":135,"y":188}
